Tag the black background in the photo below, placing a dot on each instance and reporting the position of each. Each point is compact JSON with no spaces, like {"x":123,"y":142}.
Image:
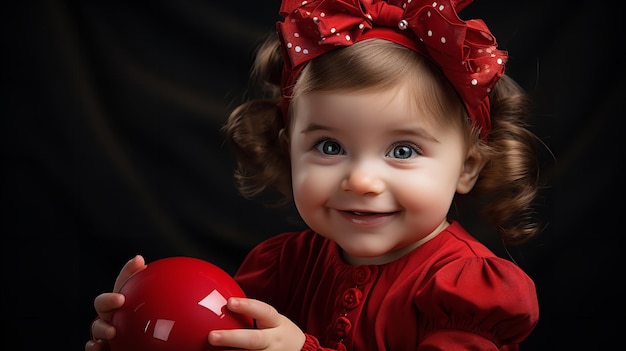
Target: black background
{"x":111,"y":117}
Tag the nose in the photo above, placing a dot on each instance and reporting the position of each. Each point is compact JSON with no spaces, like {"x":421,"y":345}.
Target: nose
{"x":362,"y":179}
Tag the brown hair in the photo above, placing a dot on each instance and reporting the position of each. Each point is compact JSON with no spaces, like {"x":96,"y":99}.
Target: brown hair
{"x":507,"y":185}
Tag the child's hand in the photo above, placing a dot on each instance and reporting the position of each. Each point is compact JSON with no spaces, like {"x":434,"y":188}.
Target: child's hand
{"x":274,"y":331}
{"x":107,"y":303}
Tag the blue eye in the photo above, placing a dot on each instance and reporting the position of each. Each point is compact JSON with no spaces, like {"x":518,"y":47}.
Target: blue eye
{"x":402,"y":151}
{"x":329,"y":147}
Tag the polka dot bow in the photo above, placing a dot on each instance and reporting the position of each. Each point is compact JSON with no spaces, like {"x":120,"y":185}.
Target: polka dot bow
{"x":466,"y":51}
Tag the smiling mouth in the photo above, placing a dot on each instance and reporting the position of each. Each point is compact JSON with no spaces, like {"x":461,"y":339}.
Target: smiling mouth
{"x":367,"y":219}
{"x":365,"y":214}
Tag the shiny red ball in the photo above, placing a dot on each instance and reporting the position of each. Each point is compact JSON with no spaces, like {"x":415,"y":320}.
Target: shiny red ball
{"x":173,"y":304}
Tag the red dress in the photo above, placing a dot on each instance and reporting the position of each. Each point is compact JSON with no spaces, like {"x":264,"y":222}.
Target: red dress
{"x":451,"y":293}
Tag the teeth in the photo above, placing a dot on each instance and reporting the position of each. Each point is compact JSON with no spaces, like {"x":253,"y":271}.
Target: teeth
{"x":360,"y":213}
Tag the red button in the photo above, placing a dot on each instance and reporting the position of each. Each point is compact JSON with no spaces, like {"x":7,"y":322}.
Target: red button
{"x":361,"y":275}
{"x":342,"y":326}
{"x":352,"y":298}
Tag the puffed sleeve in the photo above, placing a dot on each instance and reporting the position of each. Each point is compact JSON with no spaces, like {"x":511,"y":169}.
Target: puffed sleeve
{"x":477,"y":304}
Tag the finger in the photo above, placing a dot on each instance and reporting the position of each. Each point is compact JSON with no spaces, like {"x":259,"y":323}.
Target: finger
{"x":131,"y":267}
{"x":107,"y":303}
{"x":96,"y":345}
{"x":265,"y":315}
{"x":102,"y":330}
{"x":91,"y":345}
{"x":250,"y":339}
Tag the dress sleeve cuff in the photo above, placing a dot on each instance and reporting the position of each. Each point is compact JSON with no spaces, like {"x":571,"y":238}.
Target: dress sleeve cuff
{"x":312,"y":344}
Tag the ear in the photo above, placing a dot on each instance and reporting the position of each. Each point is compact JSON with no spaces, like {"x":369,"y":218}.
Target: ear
{"x":474,"y":163}
{"x":283,"y":139}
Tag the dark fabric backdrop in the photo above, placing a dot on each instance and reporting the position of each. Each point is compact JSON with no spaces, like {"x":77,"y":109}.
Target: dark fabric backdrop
{"x":111,"y":116}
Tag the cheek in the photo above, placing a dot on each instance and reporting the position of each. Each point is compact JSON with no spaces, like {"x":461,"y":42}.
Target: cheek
{"x":311,"y":185}
{"x":426,"y":193}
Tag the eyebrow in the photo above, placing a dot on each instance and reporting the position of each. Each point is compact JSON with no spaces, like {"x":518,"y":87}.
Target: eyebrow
{"x":418,"y":132}
{"x":315,"y":127}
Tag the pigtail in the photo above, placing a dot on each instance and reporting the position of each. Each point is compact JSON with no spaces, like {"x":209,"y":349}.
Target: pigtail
{"x":510,"y":179}
{"x":254,"y":130}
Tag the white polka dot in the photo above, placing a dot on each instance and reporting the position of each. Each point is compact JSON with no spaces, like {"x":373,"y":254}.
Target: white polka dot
{"x":489,"y":90}
{"x":347,"y":37}
{"x":441,"y":7}
{"x":315,"y":19}
{"x":304,"y":2}
{"x":297,"y":35}
{"x":305,"y":51}
{"x":289,"y":45}
{"x":429,"y":33}
{"x":322,"y":14}
{"x":428,"y":13}
{"x":361,"y":26}
{"x":333,"y":30}
{"x":499,"y":61}
{"x":298,"y":48}
{"x":443,"y":40}
{"x":474,"y":82}
{"x":435,"y":4}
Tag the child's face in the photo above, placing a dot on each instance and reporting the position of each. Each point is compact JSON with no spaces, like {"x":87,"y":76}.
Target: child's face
{"x":371,"y":173}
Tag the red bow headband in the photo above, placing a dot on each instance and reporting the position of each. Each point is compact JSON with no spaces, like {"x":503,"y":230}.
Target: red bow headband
{"x":465,"y":51}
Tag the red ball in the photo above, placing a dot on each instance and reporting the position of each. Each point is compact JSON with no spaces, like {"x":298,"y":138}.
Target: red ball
{"x":173,"y":304}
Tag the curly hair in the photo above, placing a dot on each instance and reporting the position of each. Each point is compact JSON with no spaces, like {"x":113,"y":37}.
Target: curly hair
{"x":507,"y":185}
